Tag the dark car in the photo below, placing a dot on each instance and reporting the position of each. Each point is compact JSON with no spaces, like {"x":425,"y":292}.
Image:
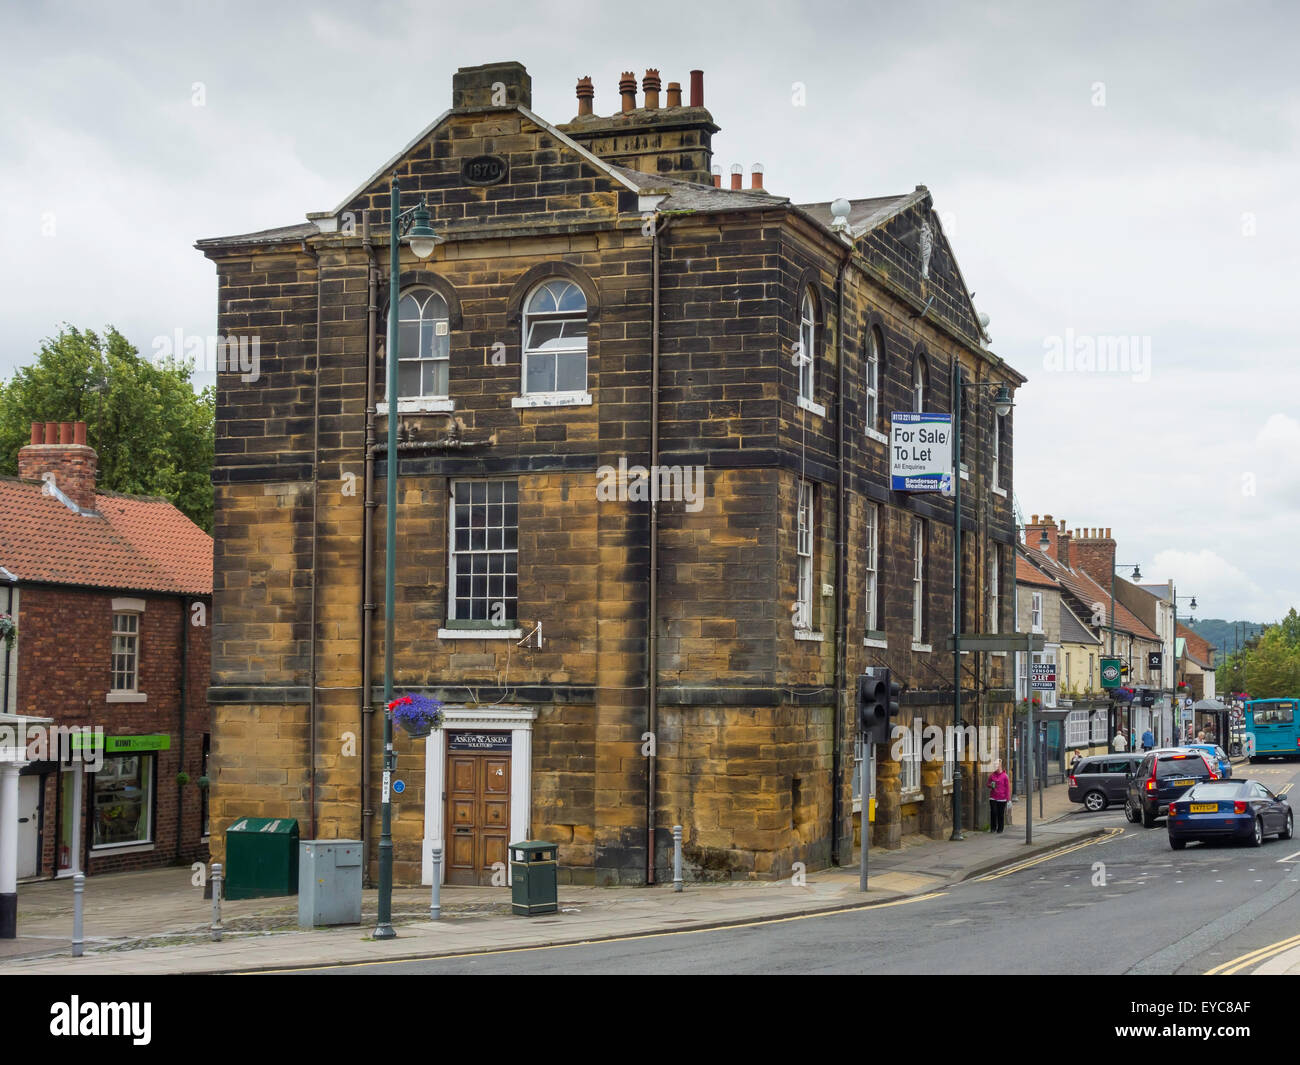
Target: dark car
{"x":1101,"y":779}
{"x":1229,"y":809}
{"x":1162,"y":776}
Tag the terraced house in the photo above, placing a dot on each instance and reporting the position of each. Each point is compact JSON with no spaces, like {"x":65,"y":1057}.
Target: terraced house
{"x":646,"y":538}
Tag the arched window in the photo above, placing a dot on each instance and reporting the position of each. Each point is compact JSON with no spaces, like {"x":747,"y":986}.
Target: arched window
{"x":555,"y":338}
{"x":423,"y":345}
{"x":871,"y":371}
{"x":920,"y":382}
{"x":807,"y":344}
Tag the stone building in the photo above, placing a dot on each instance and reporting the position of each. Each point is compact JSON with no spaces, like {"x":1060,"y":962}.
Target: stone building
{"x":613,"y":659}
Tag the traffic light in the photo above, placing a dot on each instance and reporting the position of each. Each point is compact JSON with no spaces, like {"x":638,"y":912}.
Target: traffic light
{"x":877,"y":704}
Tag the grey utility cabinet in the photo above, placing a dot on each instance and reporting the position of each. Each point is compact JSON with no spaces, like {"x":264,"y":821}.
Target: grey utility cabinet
{"x":329,"y":882}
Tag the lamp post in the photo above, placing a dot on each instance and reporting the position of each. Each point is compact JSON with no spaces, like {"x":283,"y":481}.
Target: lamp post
{"x":1173,"y":640}
{"x":1002,"y":404}
{"x":413,"y":226}
{"x":1137,"y":576}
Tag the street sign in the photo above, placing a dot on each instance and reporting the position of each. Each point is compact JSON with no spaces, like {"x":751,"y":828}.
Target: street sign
{"x":1044,"y":676}
{"x":1110,"y":672}
{"x":1015,"y":641}
{"x":399,"y":786}
{"x":920,"y":450}
{"x":1154,"y":661}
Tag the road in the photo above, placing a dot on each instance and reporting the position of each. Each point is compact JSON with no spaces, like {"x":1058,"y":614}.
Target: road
{"x":1127,"y":904}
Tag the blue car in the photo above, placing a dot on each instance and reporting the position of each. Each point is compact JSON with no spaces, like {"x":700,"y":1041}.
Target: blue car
{"x":1228,"y":809}
{"x":1216,"y":753}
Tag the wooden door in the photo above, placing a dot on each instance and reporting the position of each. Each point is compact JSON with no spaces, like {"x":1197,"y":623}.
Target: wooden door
{"x":478,"y":816}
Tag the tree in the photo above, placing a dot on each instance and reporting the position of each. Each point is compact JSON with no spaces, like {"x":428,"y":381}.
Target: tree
{"x":153,"y":432}
{"x":1268,"y":669}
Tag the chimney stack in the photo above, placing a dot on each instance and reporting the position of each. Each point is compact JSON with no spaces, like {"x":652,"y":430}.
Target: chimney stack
{"x":586,"y":93}
{"x":674,"y":94}
{"x":627,"y":90}
{"x":650,"y":83}
{"x":717,"y":177}
{"x":756,"y":176}
{"x":60,"y":448}
{"x":1095,"y":555}
{"x":737,"y":175}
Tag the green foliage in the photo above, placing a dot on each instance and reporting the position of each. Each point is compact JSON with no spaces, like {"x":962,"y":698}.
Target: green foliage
{"x":1268,"y":666}
{"x":153,"y":432}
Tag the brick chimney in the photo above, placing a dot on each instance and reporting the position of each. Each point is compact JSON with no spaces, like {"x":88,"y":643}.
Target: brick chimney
{"x":675,"y":141}
{"x":60,"y":448}
{"x":1094,"y":553}
{"x":1035,"y":529}
{"x":492,"y":85}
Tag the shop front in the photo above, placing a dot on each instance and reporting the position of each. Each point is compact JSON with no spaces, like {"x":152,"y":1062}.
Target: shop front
{"x":108,"y":802}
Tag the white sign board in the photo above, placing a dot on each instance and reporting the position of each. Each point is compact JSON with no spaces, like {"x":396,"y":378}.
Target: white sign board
{"x":1044,"y":676}
{"x":920,"y":452}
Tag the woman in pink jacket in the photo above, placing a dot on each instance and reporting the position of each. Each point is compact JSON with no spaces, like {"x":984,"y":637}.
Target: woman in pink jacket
{"x":999,"y":796}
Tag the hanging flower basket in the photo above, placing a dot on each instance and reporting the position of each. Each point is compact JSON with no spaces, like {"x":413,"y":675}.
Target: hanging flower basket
{"x":1022,"y":707}
{"x":417,"y":714}
{"x":8,"y":629}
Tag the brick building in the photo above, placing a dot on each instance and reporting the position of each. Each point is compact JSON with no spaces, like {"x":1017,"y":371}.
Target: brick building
{"x":110,"y":595}
{"x":611,"y":664}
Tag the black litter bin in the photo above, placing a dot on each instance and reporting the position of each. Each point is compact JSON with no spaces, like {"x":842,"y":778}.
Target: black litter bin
{"x":532,"y":878}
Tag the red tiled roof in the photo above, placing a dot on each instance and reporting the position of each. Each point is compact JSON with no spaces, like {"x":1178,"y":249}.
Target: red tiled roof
{"x":1088,"y":592}
{"x":1197,"y":645}
{"x":1029,"y":574}
{"x":133,"y":542}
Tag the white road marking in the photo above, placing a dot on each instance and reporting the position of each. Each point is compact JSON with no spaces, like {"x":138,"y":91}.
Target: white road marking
{"x":1290,"y":857}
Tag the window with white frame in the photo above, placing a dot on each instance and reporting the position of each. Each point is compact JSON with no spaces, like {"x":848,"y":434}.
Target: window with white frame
{"x":1098,"y":726}
{"x":807,"y":344}
{"x":952,"y":750}
{"x":804,"y":547}
{"x":1036,"y":611}
{"x":993,"y":591}
{"x":484,"y":576}
{"x":126,"y":651}
{"x":555,"y":339}
{"x":871,"y":535}
{"x":909,"y":766}
{"x":1077,"y":728}
{"x":872,"y":372}
{"x":919,"y":384}
{"x":997,"y":451}
{"x":918,"y":580}
{"x":423,"y":345}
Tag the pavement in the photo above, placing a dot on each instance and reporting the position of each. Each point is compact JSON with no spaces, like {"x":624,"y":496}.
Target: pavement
{"x":158,"y":922}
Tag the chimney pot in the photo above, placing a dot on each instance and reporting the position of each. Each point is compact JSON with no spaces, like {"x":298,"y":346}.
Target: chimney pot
{"x":65,"y":432}
{"x":38,"y":431}
{"x":586,"y":93}
{"x":79,"y":433}
{"x":650,"y":83}
{"x":627,"y":89}
{"x":1107,"y":534}
{"x":697,"y":88}
{"x":756,"y":176}
{"x":717,"y":177}
{"x":1034,"y":520}
{"x":737,"y":175}
{"x":674,"y":94}
{"x":51,"y":432}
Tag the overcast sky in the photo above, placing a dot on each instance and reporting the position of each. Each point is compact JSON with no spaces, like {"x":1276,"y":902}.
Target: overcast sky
{"x":1103,"y":171}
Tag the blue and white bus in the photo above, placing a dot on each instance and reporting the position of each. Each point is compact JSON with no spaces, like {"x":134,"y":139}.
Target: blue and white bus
{"x":1274,"y":726}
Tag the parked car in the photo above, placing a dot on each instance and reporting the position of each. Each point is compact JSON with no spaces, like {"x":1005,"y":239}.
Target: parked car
{"x":1229,"y":809}
{"x":1216,"y":753}
{"x":1101,"y":779}
{"x":1162,"y":776}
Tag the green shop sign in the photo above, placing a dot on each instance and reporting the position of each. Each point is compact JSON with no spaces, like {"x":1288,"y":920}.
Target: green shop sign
{"x":1110,"y":672}
{"x":121,"y":744}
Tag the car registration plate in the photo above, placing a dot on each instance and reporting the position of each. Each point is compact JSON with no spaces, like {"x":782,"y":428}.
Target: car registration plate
{"x":1180,"y":783}
{"x":1204,"y":807}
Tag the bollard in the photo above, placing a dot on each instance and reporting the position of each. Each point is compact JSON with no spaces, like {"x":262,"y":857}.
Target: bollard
{"x":78,"y":900}
{"x":216,"y":902}
{"x":677,"y":857}
{"x":435,"y":910}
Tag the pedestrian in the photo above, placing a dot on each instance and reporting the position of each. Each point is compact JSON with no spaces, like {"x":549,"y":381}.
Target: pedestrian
{"x":999,"y":796}
{"x":1200,"y":737}
{"x":1075,"y":760}
{"x":1120,"y":742}
{"x":1148,"y":740}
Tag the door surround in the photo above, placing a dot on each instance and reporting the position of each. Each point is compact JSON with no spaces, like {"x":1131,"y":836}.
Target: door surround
{"x":518,"y":721}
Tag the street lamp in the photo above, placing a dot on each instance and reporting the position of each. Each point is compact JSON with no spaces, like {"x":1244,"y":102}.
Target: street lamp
{"x":1002,"y":404}
{"x":413,"y":226}
{"x":1173,"y":640}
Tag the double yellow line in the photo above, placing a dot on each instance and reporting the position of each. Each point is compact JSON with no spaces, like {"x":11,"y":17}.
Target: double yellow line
{"x":1253,"y":958}
{"x":1029,"y":863}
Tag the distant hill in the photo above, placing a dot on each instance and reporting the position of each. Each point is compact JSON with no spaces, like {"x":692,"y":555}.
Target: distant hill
{"x":1225,"y":635}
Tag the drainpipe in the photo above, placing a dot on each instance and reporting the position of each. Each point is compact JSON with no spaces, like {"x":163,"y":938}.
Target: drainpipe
{"x":367,"y":551}
{"x":315,"y":533}
{"x":652,"y":609}
{"x":841,"y":579}
{"x":185,"y":648}
{"x":9,"y":609}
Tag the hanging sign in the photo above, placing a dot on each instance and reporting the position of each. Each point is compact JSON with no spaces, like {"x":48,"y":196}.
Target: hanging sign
{"x":920,"y":452}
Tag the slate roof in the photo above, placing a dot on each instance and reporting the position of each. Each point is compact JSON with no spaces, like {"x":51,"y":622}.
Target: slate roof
{"x":130,"y":542}
{"x":1073,"y":630}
